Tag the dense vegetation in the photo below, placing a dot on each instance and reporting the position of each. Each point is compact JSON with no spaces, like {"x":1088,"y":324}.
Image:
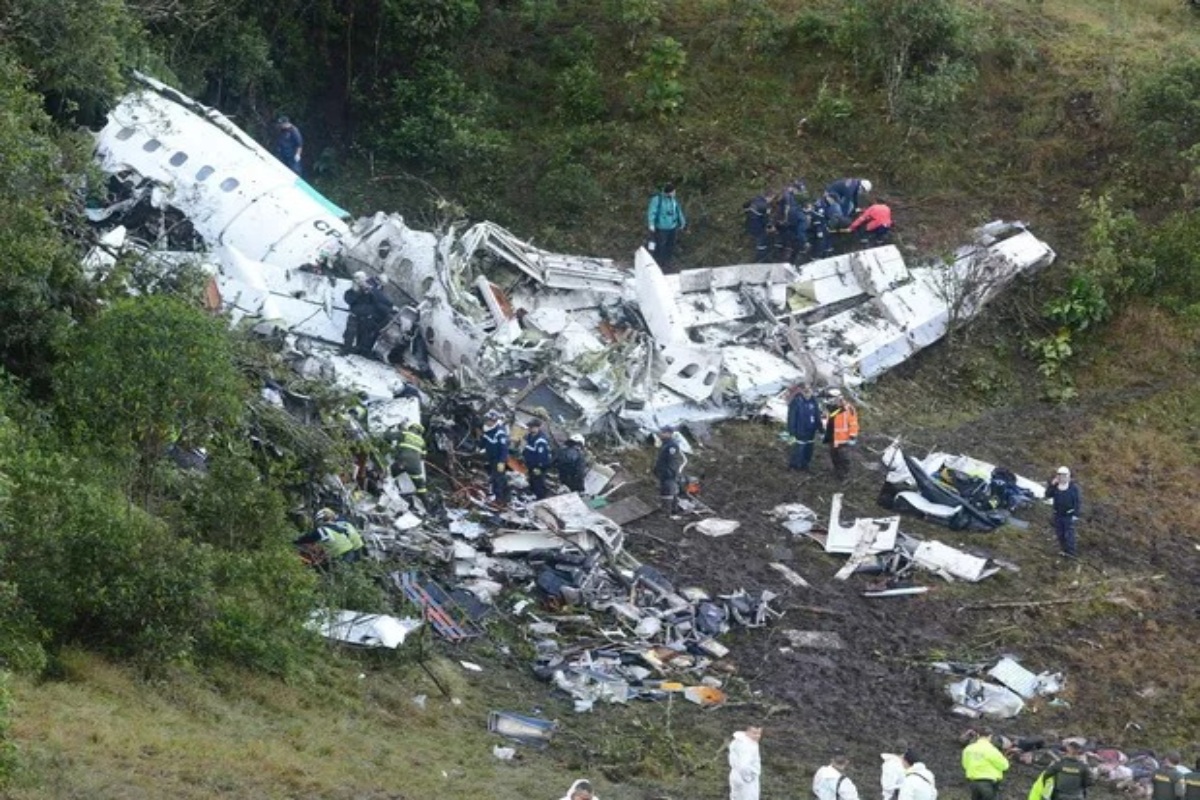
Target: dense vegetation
{"x":555,"y":117}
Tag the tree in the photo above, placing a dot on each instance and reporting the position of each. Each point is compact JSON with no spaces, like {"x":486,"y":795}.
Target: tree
{"x":148,"y":372}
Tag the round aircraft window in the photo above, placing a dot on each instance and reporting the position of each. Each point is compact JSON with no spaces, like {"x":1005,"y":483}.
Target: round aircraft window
{"x":426,"y":285}
{"x":385,"y":249}
{"x":179,"y":159}
{"x":229,"y":184}
{"x":152,"y":145}
{"x":126,"y":134}
{"x":204,"y":173}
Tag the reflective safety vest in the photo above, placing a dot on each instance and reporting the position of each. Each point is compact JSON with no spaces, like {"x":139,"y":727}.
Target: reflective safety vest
{"x":335,"y":541}
{"x":411,"y":440}
{"x":348,"y":530}
{"x":845,"y":424}
{"x":1164,"y":784}
{"x":1191,"y":786}
{"x":981,"y":761}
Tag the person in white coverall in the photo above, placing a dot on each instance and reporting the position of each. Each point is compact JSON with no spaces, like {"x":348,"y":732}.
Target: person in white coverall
{"x":831,"y":783}
{"x":918,"y":783}
{"x":580,"y":790}
{"x":891,"y":775}
{"x":745,"y":766}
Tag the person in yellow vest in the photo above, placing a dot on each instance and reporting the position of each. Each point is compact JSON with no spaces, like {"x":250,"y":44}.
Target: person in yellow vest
{"x":331,"y":540}
{"x":983,"y":764}
{"x":410,"y":455}
{"x":841,"y":431}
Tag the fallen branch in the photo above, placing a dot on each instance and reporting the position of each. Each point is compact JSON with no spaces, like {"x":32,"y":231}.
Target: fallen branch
{"x":1060,"y":601}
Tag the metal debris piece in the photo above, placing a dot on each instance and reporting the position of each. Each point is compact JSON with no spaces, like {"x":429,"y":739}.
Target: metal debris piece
{"x":820,"y":640}
{"x":790,"y":575}
{"x":364,"y":630}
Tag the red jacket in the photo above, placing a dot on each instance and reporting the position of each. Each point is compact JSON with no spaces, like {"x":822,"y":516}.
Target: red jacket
{"x":876,"y":216}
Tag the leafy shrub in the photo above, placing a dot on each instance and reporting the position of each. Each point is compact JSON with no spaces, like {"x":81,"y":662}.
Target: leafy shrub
{"x":830,"y":110}
{"x":569,"y":192}
{"x":658,"y":81}
{"x":435,"y":119}
{"x":921,"y":52}
{"x":148,"y":372}
{"x":814,"y":28}
{"x":579,"y":94}
{"x":1163,"y":113}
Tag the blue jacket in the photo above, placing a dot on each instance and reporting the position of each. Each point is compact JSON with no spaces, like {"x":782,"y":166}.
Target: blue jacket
{"x":670,"y":461}
{"x":495,"y":444}
{"x":665,"y":213}
{"x":789,"y":212}
{"x":536,"y":451}
{"x":758,"y":215}
{"x":369,"y":302}
{"x":830,"y":213}
{"x":846,"y":191}
{"x":1068,"y":502}
{"x":288,"y":143}
{"x":804,"y":417}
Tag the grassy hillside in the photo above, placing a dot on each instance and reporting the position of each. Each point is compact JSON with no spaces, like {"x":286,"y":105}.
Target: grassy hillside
{"x":1046,"y":120}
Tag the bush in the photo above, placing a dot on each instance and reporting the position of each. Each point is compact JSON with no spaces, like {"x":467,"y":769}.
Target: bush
{"x":830,"y":110}
{"x":569,"y":193}
{"x":579,"y":94}
{"x":658,"y":81}
{"x":1163,"y":114}
{"x":921,"y":52}
{"x":8,"y":748}
{"x":148,"y":372}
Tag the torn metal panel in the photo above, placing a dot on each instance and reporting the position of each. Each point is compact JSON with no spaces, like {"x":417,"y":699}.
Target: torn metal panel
{"x":946,"y":560}
{"x":879,"y":270}
{"x":657,"y":301}
{"x":1008,"y":672}
{"x":364,"y":630}
{"x":691,"y":371}
{"x":821,"y":640}
{"x":827,"y":281}
{"x":627,"y":510}
{"x":845,"y":539}
{"x":757,"y":374}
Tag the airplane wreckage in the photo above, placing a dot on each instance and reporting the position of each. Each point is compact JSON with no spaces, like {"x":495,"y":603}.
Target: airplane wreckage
{"x":595,"y":345}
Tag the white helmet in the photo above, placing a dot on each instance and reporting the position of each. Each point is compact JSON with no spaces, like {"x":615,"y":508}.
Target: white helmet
{"x":360,"y":278}
{"x":866,"y":186}
{"x":576,"y":438}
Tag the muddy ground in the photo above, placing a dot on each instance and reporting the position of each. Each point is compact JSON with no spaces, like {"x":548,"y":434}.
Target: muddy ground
{"x":878,"y":693}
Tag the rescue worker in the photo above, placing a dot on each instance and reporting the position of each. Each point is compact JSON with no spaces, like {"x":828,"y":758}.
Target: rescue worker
{"x":1167,"y":782}
{"x":580,"y":790}
{"x":668,"y":468}
{"x":759,"y":225}
{"x":788,"y":214}
{"x":410,"y":456}
{"x":823,"y":217}
{"x":918,"y":783}
{"x":891,"y":775}
{"x":745,"y":764}
{"x":841,"y":431}
{"x":665,"y":218}
{"x":331,"y":540}
{"x":571,"y":463}
{"x":535,"y":452}
{"x":983,"y":764}
{"x":850,"y":194}
{"x":831,"y":782}
{"x":370,"y":310}
{"x":1067,"y":500}
{"x":875,"y":224}
{"x":1191,"y":785}
{"x":803,"y":425}
{"x":289,"y":144}
{"x":495,"y":449}
{"x":1070,"y":774}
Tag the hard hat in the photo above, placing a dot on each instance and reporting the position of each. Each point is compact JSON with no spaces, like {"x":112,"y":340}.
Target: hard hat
{"x":492,"y":414}
{"x":326,"y":515}
{"x":667,"y":429}
{"x":283,"y":120}
{"x":1064,"y":471}
{"x":866,"y":185}
{"x":834,"y":393}
{"x":360,"y":277}
{"x":416,"y":425}
{"x":575,"y":438}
